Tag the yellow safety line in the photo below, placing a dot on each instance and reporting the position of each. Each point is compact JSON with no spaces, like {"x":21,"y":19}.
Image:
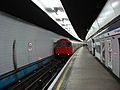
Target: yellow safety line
{"x":61,"y":79}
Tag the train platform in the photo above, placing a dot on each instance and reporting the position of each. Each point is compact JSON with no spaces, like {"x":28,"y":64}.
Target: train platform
{"x":84,"y":72}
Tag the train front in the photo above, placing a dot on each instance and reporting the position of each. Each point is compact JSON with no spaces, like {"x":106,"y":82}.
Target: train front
{"x":63,"y":49}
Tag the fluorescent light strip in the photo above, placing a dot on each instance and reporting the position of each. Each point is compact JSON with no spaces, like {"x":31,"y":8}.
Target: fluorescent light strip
{"x":55,"y":10}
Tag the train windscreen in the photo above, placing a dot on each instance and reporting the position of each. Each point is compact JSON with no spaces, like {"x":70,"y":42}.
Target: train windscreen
{"x":68,"y":44}
{"x":60,"y":44}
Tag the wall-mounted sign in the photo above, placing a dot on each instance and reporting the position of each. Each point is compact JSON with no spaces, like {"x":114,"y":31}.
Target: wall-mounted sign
{"x":29,"y":46}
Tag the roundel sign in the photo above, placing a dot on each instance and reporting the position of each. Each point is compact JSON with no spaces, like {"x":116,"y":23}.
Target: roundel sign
{"x":29,"y":46}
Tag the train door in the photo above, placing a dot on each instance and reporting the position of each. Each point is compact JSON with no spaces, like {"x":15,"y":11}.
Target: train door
{"x":103,"y":51}
{"x":93,"y":47}
{"x":109,"y":53}
{"x":116,"y":55}
{"x":119,"y":58}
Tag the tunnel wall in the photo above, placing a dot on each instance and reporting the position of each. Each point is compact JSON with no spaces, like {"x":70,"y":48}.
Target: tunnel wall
{"x":22,"y":43}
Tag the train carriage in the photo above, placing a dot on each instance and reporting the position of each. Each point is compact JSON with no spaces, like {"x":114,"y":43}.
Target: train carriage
{"x":64,"y":48}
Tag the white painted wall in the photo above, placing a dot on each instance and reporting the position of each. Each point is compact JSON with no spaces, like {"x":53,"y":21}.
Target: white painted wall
{"x":12,"y":29}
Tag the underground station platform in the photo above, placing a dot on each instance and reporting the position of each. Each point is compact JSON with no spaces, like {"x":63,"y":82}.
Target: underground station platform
{"x":84,"y":72}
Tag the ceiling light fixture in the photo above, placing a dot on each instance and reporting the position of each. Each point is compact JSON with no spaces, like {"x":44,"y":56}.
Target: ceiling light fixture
{"x":55,"y":10}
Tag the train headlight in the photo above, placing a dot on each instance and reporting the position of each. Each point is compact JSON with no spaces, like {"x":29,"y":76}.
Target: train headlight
{"x":58,"y":54}
{"x":68,"y":54}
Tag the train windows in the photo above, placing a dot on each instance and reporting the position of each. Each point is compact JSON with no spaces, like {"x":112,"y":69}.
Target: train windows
{"x":97,"y":48}
{"x":60,"y":44}
{"x":109,"y":53}
{"x":68,"y":44}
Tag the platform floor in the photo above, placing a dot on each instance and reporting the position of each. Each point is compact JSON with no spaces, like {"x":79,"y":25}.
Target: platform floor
{"x":88,"y":74}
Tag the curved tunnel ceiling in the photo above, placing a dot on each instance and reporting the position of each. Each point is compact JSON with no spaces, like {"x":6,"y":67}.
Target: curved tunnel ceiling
{"x":81,"y":14}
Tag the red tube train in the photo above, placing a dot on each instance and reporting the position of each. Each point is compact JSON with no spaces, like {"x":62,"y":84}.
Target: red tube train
{"x":64,"y":48}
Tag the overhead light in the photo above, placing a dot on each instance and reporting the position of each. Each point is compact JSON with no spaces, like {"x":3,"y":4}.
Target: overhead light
{"x":63,"y":24}
{"x":107,"y":13}
{"x":55,"y":10}
{"x":115,"y":3}
{"x":57,"y":19}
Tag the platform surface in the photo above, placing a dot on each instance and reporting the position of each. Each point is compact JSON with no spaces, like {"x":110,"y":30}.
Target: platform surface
{"x":88,"y":74}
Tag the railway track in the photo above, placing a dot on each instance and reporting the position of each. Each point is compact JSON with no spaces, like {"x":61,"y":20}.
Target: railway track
{"x":39,"y":79}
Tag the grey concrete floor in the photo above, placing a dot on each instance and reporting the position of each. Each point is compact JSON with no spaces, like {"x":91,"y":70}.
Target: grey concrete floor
{"x":88,"y":74}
